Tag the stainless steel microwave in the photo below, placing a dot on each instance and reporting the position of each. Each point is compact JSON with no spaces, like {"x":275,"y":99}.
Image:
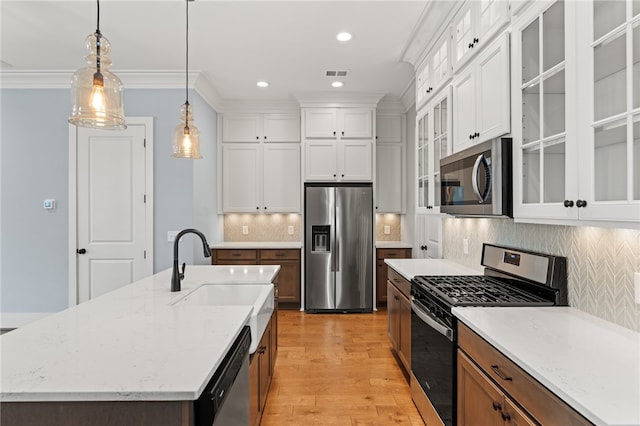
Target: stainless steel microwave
{"x":478,"y":180}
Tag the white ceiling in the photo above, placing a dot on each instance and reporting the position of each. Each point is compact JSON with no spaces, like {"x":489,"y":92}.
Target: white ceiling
{"x":290,"y":44}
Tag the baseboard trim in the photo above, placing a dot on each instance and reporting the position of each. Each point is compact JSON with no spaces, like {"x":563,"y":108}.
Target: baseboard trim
{"x":19,"y":319}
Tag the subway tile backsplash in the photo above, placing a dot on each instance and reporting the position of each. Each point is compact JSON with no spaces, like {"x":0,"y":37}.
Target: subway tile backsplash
{"x":601,"y":261}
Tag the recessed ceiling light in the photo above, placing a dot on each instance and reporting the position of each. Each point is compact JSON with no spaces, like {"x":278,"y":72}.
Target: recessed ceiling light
{"x":337,"y":84}
{"x":262,"y":84}
{"x":344,"y":37}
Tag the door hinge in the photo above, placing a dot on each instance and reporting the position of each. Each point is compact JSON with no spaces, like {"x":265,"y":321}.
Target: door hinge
{"x":144,"y":142}
{"x":145,"y":254}
{"x":145,"y":198}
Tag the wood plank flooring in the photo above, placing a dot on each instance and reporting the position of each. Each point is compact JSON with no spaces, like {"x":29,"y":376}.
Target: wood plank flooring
{"x":335,"y":370}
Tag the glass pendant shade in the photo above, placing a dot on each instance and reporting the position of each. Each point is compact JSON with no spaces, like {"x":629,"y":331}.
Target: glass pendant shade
{"x":186,"y":138}
{"x":97,"y":93}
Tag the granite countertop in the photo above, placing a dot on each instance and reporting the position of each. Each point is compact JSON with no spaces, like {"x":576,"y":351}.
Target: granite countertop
{"x":591,"y":364}
{"x":392,"y":244}
{"x":410,"y":268}
{"x":129,"y":344}
{"x":258,"y":245}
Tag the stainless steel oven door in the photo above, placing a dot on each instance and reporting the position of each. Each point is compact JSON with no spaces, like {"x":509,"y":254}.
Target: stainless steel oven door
{"x":433,"y":352}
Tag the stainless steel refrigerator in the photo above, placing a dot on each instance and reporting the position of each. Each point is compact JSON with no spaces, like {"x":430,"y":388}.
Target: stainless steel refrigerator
{"x":338,"y":248}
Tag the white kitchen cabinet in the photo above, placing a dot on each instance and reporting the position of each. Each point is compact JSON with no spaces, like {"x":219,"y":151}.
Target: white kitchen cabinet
{"x":390,"y":160}
{"x":474,"y":26}
{"x":260,"y":127}
{"x":575,"y":108}
{"x":389,"y":128}
{"x":428,"y":237}
{"x":435,"y":71}
{"x":281,"y":178}
{"x":481,"y":107}
{"x":433,"y":133}
{"x":389,"y":188}
{"x":338,"y":144}
{"x":241,"y":178}
{"x":338,"y":123}
{"x":261,"y":178}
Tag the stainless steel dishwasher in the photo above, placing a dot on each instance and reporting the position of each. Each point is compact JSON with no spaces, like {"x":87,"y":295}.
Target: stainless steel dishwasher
{"x":225,"y":399}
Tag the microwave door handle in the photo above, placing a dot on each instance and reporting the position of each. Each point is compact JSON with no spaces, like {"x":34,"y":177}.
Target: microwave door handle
{"x":424,"y":316}
{"x":482,"y":197}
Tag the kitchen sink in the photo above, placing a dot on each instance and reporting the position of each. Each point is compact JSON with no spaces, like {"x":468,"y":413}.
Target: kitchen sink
{"x":259,"y":296}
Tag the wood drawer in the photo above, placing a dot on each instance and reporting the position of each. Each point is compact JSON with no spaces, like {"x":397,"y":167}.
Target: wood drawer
{"x":541,"y":403}
{"x":399,"y":282}
{"x":282,"y":254}
{"x":230,"y":254}
{"x":395,"y":253}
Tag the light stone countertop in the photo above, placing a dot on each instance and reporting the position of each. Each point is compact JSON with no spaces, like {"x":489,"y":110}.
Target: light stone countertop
{"x":129,"y":344}
{"x":258,"y":245}
{"x":410,"y":268}
{"x":392,"y":244}
{"x":591,"y":364}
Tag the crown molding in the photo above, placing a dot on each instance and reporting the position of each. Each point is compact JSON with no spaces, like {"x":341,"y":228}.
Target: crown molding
{"x":409,"y":95}
{"x":260,"y":106}
{"x":336,"y":100}
{"x":389,"y":105}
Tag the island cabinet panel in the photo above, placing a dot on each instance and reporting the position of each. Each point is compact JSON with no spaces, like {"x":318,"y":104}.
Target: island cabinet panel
{"x":261,"y":368}
{"x":288,"y":283}
{"x":97,"y":413}
{"x":483,"y":371}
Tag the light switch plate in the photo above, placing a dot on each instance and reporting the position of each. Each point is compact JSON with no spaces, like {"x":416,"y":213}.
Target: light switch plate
{"x":290,"y":229}
{"x":636,"y":280}
{"x":465,"y":245}
{"x":245,"y":230}
{"x":387,"y":229}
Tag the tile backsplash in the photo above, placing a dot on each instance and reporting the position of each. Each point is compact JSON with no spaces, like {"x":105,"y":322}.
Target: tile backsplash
{"x":262,"y":227}
{"x":601,"y":261}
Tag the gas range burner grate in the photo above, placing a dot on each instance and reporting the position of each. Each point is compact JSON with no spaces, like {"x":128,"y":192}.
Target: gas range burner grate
{"x":477,"y":291}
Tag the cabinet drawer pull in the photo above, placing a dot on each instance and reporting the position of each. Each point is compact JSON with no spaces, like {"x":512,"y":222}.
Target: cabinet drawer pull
{"x":500,"y":373}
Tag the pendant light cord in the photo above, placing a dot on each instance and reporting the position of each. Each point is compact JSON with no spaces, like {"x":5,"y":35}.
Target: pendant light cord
{"x":98,"y":35}
{"x":187,"y":55}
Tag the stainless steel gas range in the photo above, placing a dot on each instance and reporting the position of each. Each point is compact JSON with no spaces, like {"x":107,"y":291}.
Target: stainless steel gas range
{"x":512,"y":277}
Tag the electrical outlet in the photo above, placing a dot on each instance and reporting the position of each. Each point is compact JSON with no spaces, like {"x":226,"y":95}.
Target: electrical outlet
{"x":245,"y":230}
{"x":636,"y":279}
{"x":171,"y":236}
{"x":290,"y":229}
{"x":465,"y":245}
{"x":387,"y":230}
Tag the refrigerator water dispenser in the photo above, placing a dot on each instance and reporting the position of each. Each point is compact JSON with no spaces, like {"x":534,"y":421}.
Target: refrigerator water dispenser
{"x":320,"y":237}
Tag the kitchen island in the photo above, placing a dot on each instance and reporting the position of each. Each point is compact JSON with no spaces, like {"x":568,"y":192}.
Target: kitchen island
{"x":129,"y":354}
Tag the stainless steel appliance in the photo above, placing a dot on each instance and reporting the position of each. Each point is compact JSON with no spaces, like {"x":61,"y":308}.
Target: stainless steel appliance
{"x":338,"y":248}
{"x":478,"y":180}
{"x":225,"y":399}
{"x":512,"y":277}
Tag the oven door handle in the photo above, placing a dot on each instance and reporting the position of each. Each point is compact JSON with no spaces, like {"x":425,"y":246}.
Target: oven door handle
{"x":418,"y":309}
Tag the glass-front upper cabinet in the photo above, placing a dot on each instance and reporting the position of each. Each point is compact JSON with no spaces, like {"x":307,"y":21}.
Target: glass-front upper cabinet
{"x":610,"y":147}
{"x":544,"y":150}
{"x":434,"y":142}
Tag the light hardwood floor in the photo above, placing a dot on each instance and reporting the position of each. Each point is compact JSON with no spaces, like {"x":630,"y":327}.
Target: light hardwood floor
{"x":337,"y":369}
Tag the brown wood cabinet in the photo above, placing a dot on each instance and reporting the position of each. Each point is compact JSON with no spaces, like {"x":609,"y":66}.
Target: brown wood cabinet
{"x":261,"y":368}
{"x":381,"y":270}
{"x":492,"y":390}
{"x":288,"y":289}
{"x":399,"y":318}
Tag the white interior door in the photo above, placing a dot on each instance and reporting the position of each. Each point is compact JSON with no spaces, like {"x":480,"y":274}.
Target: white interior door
{"x":113,"y":210}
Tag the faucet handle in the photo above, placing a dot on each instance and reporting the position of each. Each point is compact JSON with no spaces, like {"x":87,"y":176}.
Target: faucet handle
{"x":184,"y":266}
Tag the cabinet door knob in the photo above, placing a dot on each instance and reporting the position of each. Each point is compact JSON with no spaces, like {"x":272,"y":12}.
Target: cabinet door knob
{"x":470,"y":137}
{"x":257,"y":138}
{"x":476,"y":134}
{"x":568,"y":203}
{"x":475,"y":40}
{"x":258,"y":208}
{"x":423,"y":247}
{"x":343,"y":133}
{"x":506,"y":417}
{"x":581,"y":203}
{"x":265,"y":138}
{"x":265,"y":207}
{"x":334,"y":133}
{"x":334,"y":175}
{"x":81,"y":251}
{"x":496,"y":406}
{"x":342,"y":175}
{"x":470,"y":45}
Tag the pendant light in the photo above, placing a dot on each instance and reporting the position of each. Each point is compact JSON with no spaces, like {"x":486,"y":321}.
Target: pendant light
{"x":186,"y":138}
{"x":96,"y":92}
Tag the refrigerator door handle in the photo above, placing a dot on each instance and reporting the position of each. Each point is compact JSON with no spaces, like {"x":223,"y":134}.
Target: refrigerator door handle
{"x":337,"y":255}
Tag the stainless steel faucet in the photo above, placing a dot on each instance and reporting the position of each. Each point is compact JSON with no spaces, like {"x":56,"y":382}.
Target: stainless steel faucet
{"x":177,"y":276}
